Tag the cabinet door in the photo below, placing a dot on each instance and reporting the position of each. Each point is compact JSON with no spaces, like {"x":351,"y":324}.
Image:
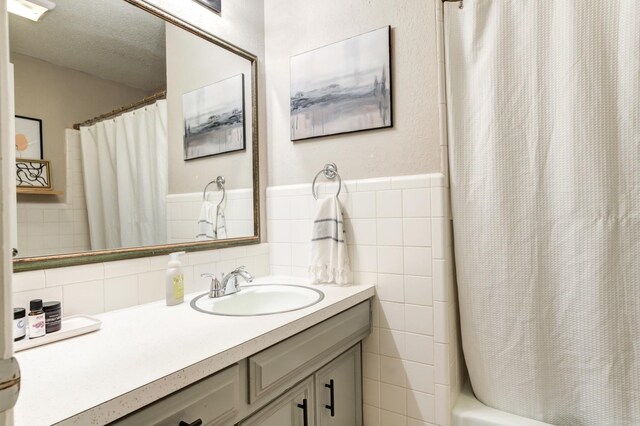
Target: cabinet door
{"x":339,"y":391}
{"x":294,"y":408}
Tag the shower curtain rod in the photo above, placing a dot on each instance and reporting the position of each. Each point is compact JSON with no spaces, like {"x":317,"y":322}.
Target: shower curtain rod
{"x":135,"y":105}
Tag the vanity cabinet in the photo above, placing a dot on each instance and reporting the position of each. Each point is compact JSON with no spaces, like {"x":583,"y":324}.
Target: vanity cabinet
{"x":313,"y":378}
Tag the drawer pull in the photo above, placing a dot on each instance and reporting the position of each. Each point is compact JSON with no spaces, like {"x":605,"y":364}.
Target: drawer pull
{"x":304,"y":412}
{"x":331,"y":407}
{"x":196,"y":423}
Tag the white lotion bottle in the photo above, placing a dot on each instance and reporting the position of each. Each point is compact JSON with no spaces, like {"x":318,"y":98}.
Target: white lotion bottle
{"x":174,"y":278}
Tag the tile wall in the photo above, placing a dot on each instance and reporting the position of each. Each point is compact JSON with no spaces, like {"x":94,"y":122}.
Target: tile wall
{"x":50,"y":228}
{"x":399,"y":236}
{"x":101,"y":287}
{"x":183,"y":211}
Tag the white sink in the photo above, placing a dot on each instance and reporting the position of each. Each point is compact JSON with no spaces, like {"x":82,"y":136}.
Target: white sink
{"x":262,"y":299}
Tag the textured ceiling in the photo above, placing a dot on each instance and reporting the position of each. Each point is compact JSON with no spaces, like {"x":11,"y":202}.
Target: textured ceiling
{"x":110,"y":39}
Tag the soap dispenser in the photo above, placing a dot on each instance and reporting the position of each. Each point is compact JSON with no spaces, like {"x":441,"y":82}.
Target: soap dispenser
{"x":175,"y":279}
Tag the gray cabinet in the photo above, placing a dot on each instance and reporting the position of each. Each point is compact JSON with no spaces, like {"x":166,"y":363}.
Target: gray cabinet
{"x":294,"y":408}
{"x":339,"y":391}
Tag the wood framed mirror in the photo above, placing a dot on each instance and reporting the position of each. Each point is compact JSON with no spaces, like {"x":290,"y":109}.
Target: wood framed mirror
{"x":105,"y":85}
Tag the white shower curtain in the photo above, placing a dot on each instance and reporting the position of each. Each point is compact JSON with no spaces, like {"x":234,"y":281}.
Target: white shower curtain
{"x":124,"y":162}
{"x":544,"y":126}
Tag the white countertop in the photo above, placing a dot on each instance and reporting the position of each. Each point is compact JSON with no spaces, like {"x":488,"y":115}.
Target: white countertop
{"x":149,"y":351}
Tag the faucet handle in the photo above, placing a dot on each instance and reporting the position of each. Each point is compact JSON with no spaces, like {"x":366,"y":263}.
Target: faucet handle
{"x":214,"y":287}
{"x":240,"y":269}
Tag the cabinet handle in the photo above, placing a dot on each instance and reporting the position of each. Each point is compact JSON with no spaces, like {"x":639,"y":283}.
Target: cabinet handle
{"x":196,"y":423}
{"x":304,"y":412}
{"x":332,"y":406}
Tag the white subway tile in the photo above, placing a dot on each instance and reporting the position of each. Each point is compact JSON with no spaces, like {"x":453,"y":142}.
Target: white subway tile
{"x":203,"y":257}
{"x":370,"y":415}
{"x":420,"y":376}
{"x":279,"y":231}
{"x":392,"y":419}
{"x":74,"y":274}
{"x":440,"y":322}
{"x":363,"y":258}
{"x":416,"y":231}
{"x":439,"y":202}
{"x":441,"y":362}
{"x":151,"y":287}
{"x":278,"y":208}
{"x":301,"y":231}
{"x":389,"y":203}
{"x":232,"y":253}
{"x":363,"y":205}
{"x":420,"y":406}
{"x":416,"y":202}
{"x":371,"y":392}
{"x":414,"y":422}
{"x":419,"y":319}
{"x":411,"y":181}
{"x":417,"y":261}
{"x":376,"y":184}
{"x":390,"y":260}
{"x":370,"y":366}
{"x":442,"y":406}
{"x":25,"y":281}
{"x":300,"y":255}
{"x":363,"y":231}
{"x":440,"y":280}
{"x":120,"y":292}
{"x":121,"y":268}
{"x":84,"y":298}
{"x":371,"y":343}
{"x":303,"y":207}
{"x":390,"y":288}
{"x":418,"y":348}
{"x":392,"y":343}
{"x":280,"y":254}
{"x":392,"y":316}
{"x":393,"y":398}
{"x":280,"y":270}
{"x":389,"y":232}
{"x":35,"y":215}
{"x":392,"y":371}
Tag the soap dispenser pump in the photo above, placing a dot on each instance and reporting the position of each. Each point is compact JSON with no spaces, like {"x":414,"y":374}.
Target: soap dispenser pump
{"x":175,"y":279}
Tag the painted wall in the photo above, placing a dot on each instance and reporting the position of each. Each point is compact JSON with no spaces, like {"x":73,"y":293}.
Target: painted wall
{"x":61,"y":97}
{"x":192,"y":63}
{"x":411,"y":146}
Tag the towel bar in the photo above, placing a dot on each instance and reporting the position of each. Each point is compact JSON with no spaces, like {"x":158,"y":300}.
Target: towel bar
{"x":330,"y":171}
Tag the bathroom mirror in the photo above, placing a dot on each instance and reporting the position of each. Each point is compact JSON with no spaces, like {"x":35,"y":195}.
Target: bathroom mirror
{"x":139,"y":113}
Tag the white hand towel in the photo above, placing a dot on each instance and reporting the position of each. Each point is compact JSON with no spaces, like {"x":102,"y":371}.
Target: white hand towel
{"x":221,"y":224}
{"x":329,"y":258}
{"x":206,"y":227}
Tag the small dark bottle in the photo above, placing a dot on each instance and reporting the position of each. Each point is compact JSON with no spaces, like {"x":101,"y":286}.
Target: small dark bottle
{"x":52,"y":316}
{"x":36,"y":319}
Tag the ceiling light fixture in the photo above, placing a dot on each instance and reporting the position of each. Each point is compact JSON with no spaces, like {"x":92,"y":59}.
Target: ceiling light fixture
{"x":30,"y":9}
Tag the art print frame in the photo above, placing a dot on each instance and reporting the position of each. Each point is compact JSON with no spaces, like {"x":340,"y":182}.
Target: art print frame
{"x":215,"y":5}
{"x":29,"y":141}
{"x":214,"y":119}
{"x":326,"y":82}
{"x":34,"y":174}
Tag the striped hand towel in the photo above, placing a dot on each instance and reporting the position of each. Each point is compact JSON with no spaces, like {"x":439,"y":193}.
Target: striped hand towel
{"x":329,"y":261}
{"x":206,"y":224}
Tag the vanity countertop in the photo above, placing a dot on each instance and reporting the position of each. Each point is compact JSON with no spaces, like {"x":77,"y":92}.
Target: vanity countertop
{"x":148,"y":351}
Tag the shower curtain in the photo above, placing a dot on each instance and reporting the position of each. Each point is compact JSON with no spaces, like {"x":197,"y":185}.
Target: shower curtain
{"x":544,"y":126}
{"x":124,"y":163}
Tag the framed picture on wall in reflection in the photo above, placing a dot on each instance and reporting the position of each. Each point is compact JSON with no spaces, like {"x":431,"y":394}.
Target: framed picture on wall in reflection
{"x":215,"y":5}
{"x":213,"y":119}
{"x":28,"y":137}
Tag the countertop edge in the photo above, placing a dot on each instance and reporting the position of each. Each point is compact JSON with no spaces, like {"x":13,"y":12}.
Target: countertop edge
{"x":134,"y":400}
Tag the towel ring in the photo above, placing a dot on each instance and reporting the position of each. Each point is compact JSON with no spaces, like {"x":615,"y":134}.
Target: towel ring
{"x":330,"y":171}
{"x":220,"y":181}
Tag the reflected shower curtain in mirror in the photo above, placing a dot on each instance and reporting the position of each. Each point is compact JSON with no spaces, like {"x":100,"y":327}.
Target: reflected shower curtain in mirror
{"x":544,"y":148}
{"x":125,"y":176}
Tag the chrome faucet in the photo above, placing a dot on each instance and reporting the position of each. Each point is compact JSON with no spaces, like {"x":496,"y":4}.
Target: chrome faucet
{"x":229,"y":284}
{"x":230,"y":281}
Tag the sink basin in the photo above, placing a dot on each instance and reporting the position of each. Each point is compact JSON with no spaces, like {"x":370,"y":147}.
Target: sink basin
{"x":263,"y":299}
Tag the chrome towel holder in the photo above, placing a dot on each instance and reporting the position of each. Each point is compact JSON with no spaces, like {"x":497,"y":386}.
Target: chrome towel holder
{"x":330,"y":172}
{"x":219,"y":181}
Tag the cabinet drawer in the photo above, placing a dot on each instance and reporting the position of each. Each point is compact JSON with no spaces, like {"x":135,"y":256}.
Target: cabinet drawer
{"x":214,"y":400}
{"x":280,"y":366}
{"x":288,"y":410}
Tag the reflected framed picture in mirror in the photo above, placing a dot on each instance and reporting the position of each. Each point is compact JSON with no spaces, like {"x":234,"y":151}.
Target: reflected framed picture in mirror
{"x":28,"y":138}
{"x":215,"y":5}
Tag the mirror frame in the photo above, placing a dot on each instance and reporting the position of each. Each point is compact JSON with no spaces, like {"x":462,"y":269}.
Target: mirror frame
{"x":83,"y":258}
